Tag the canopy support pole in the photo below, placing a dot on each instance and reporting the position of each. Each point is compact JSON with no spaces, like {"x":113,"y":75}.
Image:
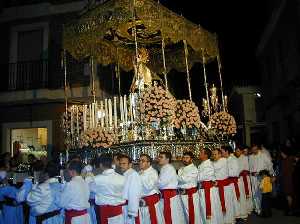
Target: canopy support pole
{"x":221,"y":81}
{"x":205,"y":82}
{"x":187,"y":69}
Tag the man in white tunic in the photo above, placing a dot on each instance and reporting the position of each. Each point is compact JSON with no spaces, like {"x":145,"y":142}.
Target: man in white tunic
{"x":234,"y":172}
{"x":44,"y":199}
{"x":188,"y":179}
{"x":108,"y":188}
{"x":150,"y":210}
{"x":225,"y":189}
{"x":168,"y":183}
{"x":258,"y":161}
{"x":75,"y":196}
{"x":88,"y":176}
{"x":210,"y":206}
{"x":132,"y":190}
{"x":244,"y":183}
{"x":246,"y":153}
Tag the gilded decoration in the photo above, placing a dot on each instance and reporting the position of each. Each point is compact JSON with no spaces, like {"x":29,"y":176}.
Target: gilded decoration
{"x":106,"y":32}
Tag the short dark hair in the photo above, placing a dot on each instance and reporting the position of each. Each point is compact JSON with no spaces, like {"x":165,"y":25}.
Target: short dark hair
{"x":116,"y":155}
{"x":227,"y":148}
{"x":123,"y":156}
{"x":52,"y":169}
{"x":76,"y":166}
{"x":216,"y":149}
{"x":264,"y":172}
{"x":148,"y":157}
{"x":105,"y":159}
{"x":258,"y":145}
{"x":189,"y":153}
{"x":207,"y":152}
{"x":167,"y":154}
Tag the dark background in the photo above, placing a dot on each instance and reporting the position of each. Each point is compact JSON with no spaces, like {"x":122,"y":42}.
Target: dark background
{"x":238,"y":24}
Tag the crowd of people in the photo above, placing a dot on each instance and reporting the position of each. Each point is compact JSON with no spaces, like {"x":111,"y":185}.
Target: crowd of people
{"x":224,"y":188}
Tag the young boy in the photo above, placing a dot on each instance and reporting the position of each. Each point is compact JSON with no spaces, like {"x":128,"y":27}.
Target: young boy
{"x":75,"y":196}
{"x":266,"y":189}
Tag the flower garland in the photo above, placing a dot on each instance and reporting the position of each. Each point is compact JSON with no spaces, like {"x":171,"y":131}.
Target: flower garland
{"x":187,"y":114}
{"x":223,"y":124}
{"x":158,"y":105}
{"x":97,"y":138}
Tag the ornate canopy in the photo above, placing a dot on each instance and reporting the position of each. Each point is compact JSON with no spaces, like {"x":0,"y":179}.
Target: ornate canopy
{"x":106,"y":33}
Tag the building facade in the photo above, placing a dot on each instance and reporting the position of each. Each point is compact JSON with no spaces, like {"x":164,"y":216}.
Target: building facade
{"x":279,"y":55}
{"x":32,"y":97}
{"x":246,"y":105}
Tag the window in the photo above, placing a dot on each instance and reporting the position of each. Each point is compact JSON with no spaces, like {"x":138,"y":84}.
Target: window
{"x":30,"y":45}
{"x":29,"y":141}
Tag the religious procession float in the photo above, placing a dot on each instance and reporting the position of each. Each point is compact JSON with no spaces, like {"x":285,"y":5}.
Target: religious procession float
{"x":145,"y":37}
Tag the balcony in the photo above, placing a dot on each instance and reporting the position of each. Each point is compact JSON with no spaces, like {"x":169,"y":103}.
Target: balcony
{"x":26,"y":75}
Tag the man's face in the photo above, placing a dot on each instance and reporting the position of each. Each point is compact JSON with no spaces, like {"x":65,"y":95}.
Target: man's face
{"x":245,"y":152}
{"x":254,"y":149}
{"x":237,"y":152}
{"x":162,"y":160}
{"x":216,"y":155}
{"x":187,"y":160}
{"x":71,"y":173}
{"x":202,"y":155}
{"x":124,"y":164}
{"x":224,"y":153}
{"x":144,"y":163}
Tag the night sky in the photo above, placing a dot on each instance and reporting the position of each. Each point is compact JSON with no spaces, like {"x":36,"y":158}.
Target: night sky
{"x":238,"y":24}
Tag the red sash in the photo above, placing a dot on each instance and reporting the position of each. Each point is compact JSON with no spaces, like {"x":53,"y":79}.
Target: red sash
{"x":69,"y":214}
{"x":190,"y":192}
{"x":244,"y":175}
{"x":137,"y":219}
{"x":221,"y":185}
{"x":109,"y":211}
{"x":235,"y":181}
{"x":151,"y":200}
{"x":207,"y":185}
{"x":167,"y":194}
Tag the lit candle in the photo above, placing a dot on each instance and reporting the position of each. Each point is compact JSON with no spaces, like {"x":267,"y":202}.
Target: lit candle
{"x":225,"y":102}
{"x":125,"y":109}
{"x":121,"y":110}
{"x":110,"y":112}
{"x":93,"y":115}
{"x":130,"y":108}
{"x":90,"y":116}
{"x":72,"y":125}
{"x":106,"y":113}
{"x":84,"y":117}
{"x":133,"y":106}
{"x":77,"y":120}
{"x":115,"y":113}
{"x":96,"y":114}
{"x":102,"y":114}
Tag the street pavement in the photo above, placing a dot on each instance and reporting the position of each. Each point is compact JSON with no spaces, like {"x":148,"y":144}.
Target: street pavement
{"x":277,"y":218}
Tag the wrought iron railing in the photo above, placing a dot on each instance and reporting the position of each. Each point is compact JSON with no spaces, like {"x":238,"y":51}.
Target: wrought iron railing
{"x":28,"y":75}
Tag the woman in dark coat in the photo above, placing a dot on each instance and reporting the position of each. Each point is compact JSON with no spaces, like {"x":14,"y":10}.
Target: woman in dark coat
{"x":287,"y":171}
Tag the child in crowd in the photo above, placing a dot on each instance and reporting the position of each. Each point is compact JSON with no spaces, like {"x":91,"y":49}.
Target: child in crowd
{"x":266,"y":190}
